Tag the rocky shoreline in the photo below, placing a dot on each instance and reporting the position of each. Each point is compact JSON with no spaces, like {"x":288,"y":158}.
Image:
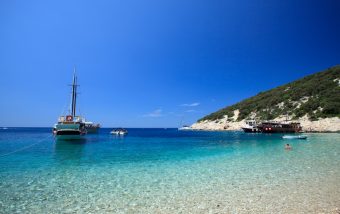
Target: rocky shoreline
{"x":321,"y":125}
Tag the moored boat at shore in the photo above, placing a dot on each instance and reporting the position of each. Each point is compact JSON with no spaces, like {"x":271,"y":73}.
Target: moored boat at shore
{"x":271,"y":127}
{"x":279,"y":127}
{"x":250,"y":126}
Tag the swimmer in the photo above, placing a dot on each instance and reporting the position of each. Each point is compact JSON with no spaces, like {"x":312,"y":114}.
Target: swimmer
{"x":288,"y":147}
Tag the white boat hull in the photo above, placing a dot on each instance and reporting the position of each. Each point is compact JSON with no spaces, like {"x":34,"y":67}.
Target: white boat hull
{"x":301,"y":137}
{"x":184,"y":129}
{"x":118,"y":133}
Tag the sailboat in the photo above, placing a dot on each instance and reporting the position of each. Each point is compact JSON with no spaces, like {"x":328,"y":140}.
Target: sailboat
{"x":71,"y":126}
{"x":184,"y":127}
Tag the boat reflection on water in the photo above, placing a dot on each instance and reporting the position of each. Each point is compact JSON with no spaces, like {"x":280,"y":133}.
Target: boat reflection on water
{"x":65,"y":151}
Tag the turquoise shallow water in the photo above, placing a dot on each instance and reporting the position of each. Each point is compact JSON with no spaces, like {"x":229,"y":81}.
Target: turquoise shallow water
{"x":167,"y":171}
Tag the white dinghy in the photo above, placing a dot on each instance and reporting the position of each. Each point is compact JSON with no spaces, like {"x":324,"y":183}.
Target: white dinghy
{"x":299,"y":137}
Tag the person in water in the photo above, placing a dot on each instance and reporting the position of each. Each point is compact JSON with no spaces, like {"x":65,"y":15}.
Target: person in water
{"x":288,"y":147}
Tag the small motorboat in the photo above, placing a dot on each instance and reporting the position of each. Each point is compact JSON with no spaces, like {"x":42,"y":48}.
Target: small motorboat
{"x":119,"y":131}
{"x":299,"y":137}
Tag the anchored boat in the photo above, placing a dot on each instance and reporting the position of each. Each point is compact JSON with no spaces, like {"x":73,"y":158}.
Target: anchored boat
{"x":185,"y":127}
{"x":279,"y":127}
{"x":71,"y":127}
{"x":272,"y":127}
{"x":250,"y":126}
{"x":92,"y":128}
{"x":299,"y":137}
{"x":119,"y":132}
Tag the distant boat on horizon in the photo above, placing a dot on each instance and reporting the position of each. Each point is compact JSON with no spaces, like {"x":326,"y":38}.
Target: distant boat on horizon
{"x":185,"y":127}
{"x":119,"y":132}
{"x":71,"y":127}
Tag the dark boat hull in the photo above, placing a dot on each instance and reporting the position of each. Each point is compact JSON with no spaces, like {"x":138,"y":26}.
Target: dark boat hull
{"x":251,"y":130}
{"x":279,"y":131}
{"x":280,"y":128}
{"x":92,"y":130}
{"x":69,"y":135}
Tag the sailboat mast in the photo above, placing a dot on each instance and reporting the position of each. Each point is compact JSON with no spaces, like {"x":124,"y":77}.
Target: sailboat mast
{"x":74,"y":94}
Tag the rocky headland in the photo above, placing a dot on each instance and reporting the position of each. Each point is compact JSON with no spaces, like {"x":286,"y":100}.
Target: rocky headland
{"x":313,"y":101}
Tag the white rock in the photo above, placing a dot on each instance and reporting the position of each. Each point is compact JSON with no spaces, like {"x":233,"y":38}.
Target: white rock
{"x":321,"y":125}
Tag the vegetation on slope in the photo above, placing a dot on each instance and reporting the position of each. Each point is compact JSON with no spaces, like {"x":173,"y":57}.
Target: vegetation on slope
{"x":316,"y":95}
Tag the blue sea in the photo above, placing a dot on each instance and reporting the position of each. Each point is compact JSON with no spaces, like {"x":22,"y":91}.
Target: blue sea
{"x":168,"y":171}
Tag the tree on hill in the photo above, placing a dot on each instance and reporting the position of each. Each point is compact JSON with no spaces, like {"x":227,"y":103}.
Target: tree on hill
{"x":316,"y":95}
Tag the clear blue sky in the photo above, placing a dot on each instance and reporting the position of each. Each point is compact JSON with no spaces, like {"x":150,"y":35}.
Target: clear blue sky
{"x":153,"y":63}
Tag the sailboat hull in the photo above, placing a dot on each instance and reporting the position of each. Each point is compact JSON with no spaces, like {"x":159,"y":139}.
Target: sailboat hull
{"x":70,"y":137}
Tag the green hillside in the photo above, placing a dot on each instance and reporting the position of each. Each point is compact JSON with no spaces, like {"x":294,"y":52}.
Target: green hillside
{"x":317,"y":95}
